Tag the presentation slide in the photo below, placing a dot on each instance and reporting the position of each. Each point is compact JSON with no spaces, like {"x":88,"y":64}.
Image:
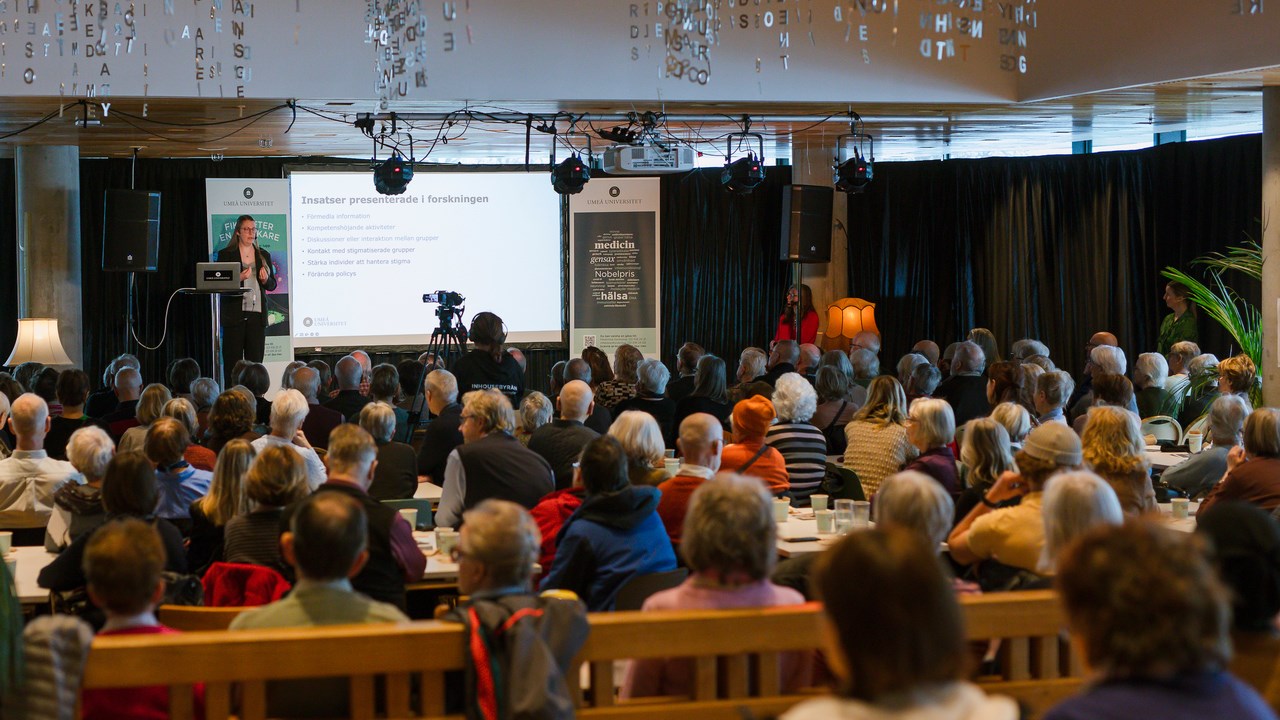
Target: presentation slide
{"x":362,"y":261}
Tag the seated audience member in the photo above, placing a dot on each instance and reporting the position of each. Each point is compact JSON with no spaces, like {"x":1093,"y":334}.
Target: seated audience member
{"x":535,"y":411}
{"x":326,"y":378}
{"x":551,"y":513}
{"x":396,"y":475}
{"x":895,"y":639}
{"x":45,"y":384}
{"x":327,"y":545}
{"x":923,"y":382}
{"x":626,"y":360}
{"x":749,"y":454}
{"x":384,"y":387}
{"x":366,"y":371}
{"x":877,"y":435}
{"x":807,"y":366}
{"x":1042,"y":362}
{"x":128,"y":491}
{"x":128,"y":390}
{"x":150,"y":407}
{"x":29,"y":478}
{"x":1103,"y":360}
{"x":496,"y":550}
{"x":1014,"y":536}
{"x":1086,"y":377}
{"x":931,"y":428}
{"x":985,"y":455}
{"x":686,"y":366}
{"x":1203,"y":373}
{"x":1198,"y":473}
{"x":907,"y":365}
{"x":1027,"y":398}
{"x":1016,"y":421}
{"x":1179,"y":360}
{"x":394,"y":557}
{"x":580,"y":369}
{"x":1108,"y":389}
{"x":491,"y":463}
{"x":349,"y":400}
{"x":487,"y":366}
{"x":783,"y":359}
{"x":944,"y":364}
{"x":730,"y":546}
{"x":834,"y":409}
{"x":1074,"y":504}
{"x":651,"y":386}
{"x":929,"y":350}
{"x":866,"y":366}
{"x":287,"y":414}
{"x":1253,"y":471}
{"x":641,"y":440}
{"x":230,"y":418}
{"x":255,"y":377}
{"x":1005,"y":381}
{"x":915,"y":501}
{"x":442,"y":434}
{"x":104,"y":401}
{"x":1166,"y":663}
{"x":286,"y":375}
{"x":560,"y":441}
{"x":986,"y":340}
{"x":1052,"y":391}
{"x":1114,"y":448}
{"x":410,"y":374}
{"x":1237,"y":375}
{"x":701,"y":443}
{"x":122,"y":565}
{"x":6,"y":440}
{"x":866,"y":340}
{"x":1027,"y":348}
{"x":966,"y":388}
{"x":1150,"y":372}
{"x":204,"y":391}
{"x":557,"y":378}
{"x":71,"y":390}
{"x":320,"y":420}
{"x":178,"y":484}
{"x":803,"y":446}
{"x":614,"y":536}
{"x":835,"y":359}
{"x":709,"y":394}
{"x":276,"y":479}
{"x":78,"y":508}
{"x":225,"y":501}
{"x":182,"y":373}
{"x":181,"y":409}
{"x":751,"y":368}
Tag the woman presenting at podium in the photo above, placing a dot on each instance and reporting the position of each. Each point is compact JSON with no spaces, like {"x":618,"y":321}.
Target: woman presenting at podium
{"x":244,"y":317}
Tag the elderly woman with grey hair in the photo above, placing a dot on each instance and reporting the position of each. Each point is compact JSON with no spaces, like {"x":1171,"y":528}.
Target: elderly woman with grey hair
{"x":729,"y":544}
{"x":651,"y":397}
{"x":1075,"y":503}
{"x":803,"y":446}
{"x":1197,"y":474}
{"x":78,"y":508}
{"x":907,"y":364}
{"x":1027,"y":348}
{"x":1150,"y":373}
{"x":535,"y":411}
{"x":866,"y":366}
{"x":288,"y":411}
{"x":917,"y":502}
{"x":395,"y":477}
{"x":641,"y":439}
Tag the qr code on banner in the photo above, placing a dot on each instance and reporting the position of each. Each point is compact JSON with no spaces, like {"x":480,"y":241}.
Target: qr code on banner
{"x":588,"y":341}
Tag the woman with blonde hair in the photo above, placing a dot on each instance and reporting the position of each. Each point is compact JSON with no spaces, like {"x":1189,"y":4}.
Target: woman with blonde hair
{"x":225,"y":500}
{"x":985,"y":455}
{"x":150,"y":407}
{"x":1236,"y":375}
{"x":1113,"y":448}
{"x":197,"y":456}
{"x":641,"y":439}
{"x":1016,"y":421}
{"x":277,"y":477}
{"x":877,"y":436}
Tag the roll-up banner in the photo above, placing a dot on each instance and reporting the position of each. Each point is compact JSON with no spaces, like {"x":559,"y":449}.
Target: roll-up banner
{"x":613,"y":265}
{"x":268,"y":202}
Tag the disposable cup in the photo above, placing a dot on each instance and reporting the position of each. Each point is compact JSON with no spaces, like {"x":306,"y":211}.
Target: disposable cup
{"x":819,"y":502}
{"x":781,"y":509}
{"x":410,"y":514}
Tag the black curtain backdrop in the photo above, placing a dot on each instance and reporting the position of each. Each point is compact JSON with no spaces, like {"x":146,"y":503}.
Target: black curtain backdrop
{"x":8,"y":257}
{"x":1054,"y":248}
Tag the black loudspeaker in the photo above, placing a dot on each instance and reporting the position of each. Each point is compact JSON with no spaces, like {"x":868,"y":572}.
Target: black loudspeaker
{"x":806,"y":223}
{"x":130,"y":231}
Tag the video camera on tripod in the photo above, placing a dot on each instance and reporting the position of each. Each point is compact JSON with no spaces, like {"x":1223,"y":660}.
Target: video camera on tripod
{"x":449,"y":312}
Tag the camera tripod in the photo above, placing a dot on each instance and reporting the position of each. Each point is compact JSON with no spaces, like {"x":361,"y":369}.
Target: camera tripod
{"x":448,"y":343}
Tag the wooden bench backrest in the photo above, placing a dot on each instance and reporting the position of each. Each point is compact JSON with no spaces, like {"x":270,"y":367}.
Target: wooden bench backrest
{"x":735,"y":650}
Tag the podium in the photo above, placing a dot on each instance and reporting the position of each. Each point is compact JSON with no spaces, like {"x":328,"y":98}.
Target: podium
{"x":215,"y":314}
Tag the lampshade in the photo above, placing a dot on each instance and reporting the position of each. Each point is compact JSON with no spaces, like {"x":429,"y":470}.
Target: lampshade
{"x":38,"y":341}
{"x":849,"y":316}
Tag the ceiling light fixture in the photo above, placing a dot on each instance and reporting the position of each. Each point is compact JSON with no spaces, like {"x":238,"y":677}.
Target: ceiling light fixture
{"x":746,"y":173}
{"x":855,"y":158}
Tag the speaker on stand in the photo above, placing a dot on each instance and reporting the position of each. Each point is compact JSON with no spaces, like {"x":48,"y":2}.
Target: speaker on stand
{"x":806,"y":229}
{"x":130,"y":238}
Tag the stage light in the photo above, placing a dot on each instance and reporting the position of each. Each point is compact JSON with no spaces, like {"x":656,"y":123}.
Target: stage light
{"x":392,"y":176}
{"x":742,"y":175}
{"x":570,"y":175}
{"x":853,"y":175}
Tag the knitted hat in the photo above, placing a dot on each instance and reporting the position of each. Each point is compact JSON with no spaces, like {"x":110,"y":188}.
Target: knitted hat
{"x":753,"y":416}
{"x":1054,"y":442}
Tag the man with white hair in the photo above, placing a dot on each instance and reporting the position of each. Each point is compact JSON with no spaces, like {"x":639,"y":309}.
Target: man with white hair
{"x":104,"y":401}
{"x":865,"y":340}
{"x":396,"y":476}
{"x":128,"y":390}
{"x":1198,"y":402}
{"x":442,"y":434}
{"x":783,"y":359}
{"x":560,"y":441}
{"x":701,"y":443}
{"x":349,"y":400}
{"x":966,"y":389}
{"x":650,"y":397}
{"x":288,"y":411}
{"x":807,"y":366}
{"x":866,"y":366}
{"x":1200,"y":472}
{"x":1026,"y":348}
{"x":320,"y":420}
{"x":29,"y":478}
{"x":366,"y":370}
{"x":1085,"y":384}
{"x":686,"y":367}
{"x":1103,"y":359}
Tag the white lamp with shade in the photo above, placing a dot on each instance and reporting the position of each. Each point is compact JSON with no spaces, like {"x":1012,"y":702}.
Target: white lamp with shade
{"x":38,"y":341}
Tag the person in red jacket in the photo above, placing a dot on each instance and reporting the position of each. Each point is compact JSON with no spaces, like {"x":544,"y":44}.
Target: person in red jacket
{"x":749,"y":454}
{"x":550,"y":513}
{"x":799,"y":301}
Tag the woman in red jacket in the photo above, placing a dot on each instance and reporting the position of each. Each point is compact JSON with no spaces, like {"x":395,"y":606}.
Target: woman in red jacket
{"x":799,"y":298}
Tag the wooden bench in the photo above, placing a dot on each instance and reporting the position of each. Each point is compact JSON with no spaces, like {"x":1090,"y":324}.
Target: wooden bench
{"x":735,"y":659}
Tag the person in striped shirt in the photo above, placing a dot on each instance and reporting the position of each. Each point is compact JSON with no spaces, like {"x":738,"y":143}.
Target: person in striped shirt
{"x":803,"y":446}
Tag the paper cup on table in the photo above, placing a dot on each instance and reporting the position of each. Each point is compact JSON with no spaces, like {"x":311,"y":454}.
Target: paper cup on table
{"x":6,"y":542}
{"x":826,"y":521}
{"x":410,"y":514}
{"x":669,"y":454}
{"x":1180,"y":507}
{"x":1195,"y":441}
{"x":781,"y":509}
{"x":819,"y":502}
{"x":446,"y":541}
{"x":671,"y":465}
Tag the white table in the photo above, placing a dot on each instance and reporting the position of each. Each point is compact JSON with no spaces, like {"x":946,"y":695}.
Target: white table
{"x":800,"y":524}
{"x":1162,"y":460}
{"x":31,"y":560}
{"x":440,"y":569}
{"x":1187,"y":524}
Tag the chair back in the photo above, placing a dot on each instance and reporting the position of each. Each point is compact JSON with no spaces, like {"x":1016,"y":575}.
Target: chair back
{"x":242,"y":584}
{"x":1200,"y":425}
{"x":841,"y":483}
{"x":193,"y":619}
{"x":426,"y":520}
{"x":634,"y":592}
{"x":1163,"y":427}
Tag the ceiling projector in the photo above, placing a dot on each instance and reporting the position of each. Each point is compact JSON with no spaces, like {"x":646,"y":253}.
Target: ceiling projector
{"x":648,"y":159}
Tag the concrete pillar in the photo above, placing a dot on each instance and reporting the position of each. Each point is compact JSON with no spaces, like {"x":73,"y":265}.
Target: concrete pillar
{"x":811,"y":165}
{"x":48,"y":267}
{"x":1270,"y":370}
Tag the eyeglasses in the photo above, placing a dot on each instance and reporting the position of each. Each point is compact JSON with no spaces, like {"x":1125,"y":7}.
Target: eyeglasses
{"x":465,"y":417}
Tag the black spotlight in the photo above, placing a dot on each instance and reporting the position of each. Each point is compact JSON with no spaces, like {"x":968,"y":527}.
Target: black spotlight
{"x":742,"y":175}
{"x":853,"y":175}
{"x":570,"y":175}
{"x":392,"y":176}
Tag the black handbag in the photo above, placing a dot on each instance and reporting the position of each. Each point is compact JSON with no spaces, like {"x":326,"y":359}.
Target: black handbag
{"x":837,"y":442}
